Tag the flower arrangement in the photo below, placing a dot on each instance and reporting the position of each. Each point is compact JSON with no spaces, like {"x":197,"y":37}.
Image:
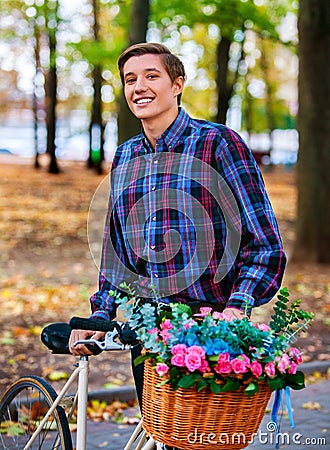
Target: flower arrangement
{"x":209,"y":349}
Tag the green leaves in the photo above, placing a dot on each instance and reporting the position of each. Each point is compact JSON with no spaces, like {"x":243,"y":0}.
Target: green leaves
{"x":286,"y":316}
{"x":276,"y":383}
{"x":296,"y":381}
{"x":188,"y":381}
{"x":252,"y":389}
{"x":232,"y":384}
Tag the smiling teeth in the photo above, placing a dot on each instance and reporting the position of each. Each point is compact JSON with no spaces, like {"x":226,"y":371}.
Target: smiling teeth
{"x":144,"y":100}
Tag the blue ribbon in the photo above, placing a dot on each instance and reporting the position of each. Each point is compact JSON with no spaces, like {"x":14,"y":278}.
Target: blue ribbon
{"x":278,"y":403}
{"x":288,"y":405}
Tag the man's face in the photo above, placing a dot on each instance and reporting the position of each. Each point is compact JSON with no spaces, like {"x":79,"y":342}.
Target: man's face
{"x":148,"y":88}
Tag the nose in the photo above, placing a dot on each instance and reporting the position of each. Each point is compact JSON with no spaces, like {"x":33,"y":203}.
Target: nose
{"x":140,"y":85}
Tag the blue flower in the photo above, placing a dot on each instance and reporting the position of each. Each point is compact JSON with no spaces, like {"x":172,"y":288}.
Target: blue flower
{"x":216,"y":346}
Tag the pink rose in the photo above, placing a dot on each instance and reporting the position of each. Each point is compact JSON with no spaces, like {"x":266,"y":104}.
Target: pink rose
{"x":261,"y":326}
{"x":196,"y":350}
{"x":179,"y":349}
{"x":221,"y":316}
{"x":161,"y":369}
{"x":256,"y":369}
{"x":166,"y":325}
{"x":153,"y":331}
{"x":204,"y":311}
{"x":239,"y":365}
{"x":224,"y":357}
{"x":204,"y":367}
{"x":178,"y":360}
{"x":293,"y":368}
{"x":193,"y":362}
{"x":296,"y":355}
{"x":186,"y":326}
{"x":245,"y":359}
{"x":270,"y":369}
{"x":223,"y":367}
{"x":223,"y":364}
{"x":165,"y":336}
{"x":283,"y":363}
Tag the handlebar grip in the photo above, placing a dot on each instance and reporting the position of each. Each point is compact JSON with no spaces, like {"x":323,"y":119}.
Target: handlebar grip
{"x":80,"y":323}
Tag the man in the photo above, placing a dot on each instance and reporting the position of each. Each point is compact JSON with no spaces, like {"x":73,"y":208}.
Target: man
{"x":184,"y":194}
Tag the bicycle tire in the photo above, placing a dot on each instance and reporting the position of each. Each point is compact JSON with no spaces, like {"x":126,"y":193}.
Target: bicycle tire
{"x":22,"y":407}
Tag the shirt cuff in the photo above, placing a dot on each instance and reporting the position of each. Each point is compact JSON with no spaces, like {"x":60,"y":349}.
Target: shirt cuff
{"x":100,"y":314}
{"x":241,"y":300}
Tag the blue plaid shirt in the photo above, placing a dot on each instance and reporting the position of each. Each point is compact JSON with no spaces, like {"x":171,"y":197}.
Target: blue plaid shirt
{"x":189,"y":220}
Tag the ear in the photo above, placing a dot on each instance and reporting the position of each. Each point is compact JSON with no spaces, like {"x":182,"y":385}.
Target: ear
{"x":178,"y":85}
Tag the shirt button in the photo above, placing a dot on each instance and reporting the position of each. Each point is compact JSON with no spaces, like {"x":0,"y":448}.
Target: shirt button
{"x":155,"y":275}
{"x":154,"y":219}
{"x":153,"y":188}
{"x":152,"y":247}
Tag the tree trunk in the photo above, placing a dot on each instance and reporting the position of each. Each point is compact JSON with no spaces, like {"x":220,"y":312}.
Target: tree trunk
{"x":270,"y":94}
{"x":35,"y":98}
{"x":224,"y":91}
{"x":51,"y":94}
{"x":96,"y":131}
{"x":313,"y":169}
{"x":128,"y":124}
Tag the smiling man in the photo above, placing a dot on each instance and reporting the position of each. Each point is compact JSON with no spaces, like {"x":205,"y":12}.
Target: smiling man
{"x":188,"y":216}
{"x":151,"y":93}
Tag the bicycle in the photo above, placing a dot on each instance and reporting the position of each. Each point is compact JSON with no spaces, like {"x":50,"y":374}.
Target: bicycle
{"x":33,"y":416}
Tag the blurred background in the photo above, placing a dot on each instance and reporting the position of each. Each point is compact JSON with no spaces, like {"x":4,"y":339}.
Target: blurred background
{"x":241,"y":60}
{"x":259,"y":66}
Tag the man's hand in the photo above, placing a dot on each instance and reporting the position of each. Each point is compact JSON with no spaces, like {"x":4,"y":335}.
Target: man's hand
{"x":234,"y":313}
{"x":76,"y":335}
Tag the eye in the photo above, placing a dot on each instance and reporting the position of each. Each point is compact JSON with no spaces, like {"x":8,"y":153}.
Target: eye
{"x":152,"y":76}
{"x":130,"y":80}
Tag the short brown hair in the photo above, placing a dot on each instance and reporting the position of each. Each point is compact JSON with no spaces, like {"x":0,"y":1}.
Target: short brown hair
{"x":173,"y":65}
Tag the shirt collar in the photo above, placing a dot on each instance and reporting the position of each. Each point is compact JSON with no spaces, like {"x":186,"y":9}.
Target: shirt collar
{"x":172,"y":134}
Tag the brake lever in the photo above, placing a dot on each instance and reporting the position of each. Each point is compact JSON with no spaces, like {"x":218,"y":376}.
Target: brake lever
{"x":109,"y":342}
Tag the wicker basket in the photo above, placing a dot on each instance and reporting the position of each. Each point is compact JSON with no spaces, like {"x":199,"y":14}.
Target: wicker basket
{"x":188,"y":419}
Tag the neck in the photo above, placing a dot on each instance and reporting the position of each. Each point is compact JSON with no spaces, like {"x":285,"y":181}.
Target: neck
{"x":153,"y":128}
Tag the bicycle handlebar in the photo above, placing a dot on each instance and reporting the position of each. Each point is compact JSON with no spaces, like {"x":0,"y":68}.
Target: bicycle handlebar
{"x":81,"y":323}
{"x":126,"y":335}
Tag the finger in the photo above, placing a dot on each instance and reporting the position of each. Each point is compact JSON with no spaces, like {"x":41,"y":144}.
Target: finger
{"x":98,"y":335}
{"x":80,"y":349}
{"x":234,"y":313}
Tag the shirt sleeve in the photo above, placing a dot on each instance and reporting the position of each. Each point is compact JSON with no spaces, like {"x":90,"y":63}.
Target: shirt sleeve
{"x":112,"y":270}
{"x":261,"y":259}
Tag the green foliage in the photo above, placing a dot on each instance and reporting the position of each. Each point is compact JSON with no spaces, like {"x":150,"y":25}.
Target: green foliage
{"x":209,"y":349}
{"x":287,"y":316}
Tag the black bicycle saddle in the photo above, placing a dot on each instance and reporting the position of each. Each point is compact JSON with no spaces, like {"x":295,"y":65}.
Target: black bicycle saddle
{"x":56,"y":337}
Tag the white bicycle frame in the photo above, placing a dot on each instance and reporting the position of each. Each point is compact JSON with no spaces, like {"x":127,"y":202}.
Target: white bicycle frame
{"x":81,"y":398}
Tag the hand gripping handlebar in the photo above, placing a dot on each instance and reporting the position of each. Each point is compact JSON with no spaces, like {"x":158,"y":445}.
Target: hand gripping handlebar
{"x":114,"y":330}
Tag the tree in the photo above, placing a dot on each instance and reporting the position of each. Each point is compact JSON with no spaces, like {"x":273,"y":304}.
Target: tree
{"x":51,"y":83}
{"x":313,"y":170}
{"x":96,"y":127}
{"x":128,"y":125}
{"x":234,"y":18}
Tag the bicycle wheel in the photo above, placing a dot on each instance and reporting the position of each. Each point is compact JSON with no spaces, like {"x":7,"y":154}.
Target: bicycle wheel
{"x":22,"y":407}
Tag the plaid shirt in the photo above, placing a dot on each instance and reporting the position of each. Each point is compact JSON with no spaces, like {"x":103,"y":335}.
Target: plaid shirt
{"x":190,"y":220}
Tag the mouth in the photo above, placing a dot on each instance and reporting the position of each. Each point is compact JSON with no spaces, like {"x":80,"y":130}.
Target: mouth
{"x":143,"y":100}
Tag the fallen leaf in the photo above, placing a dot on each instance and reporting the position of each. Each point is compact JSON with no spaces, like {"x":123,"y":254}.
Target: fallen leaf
{"x":312,"y":406}
{"x":58,"y":375}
